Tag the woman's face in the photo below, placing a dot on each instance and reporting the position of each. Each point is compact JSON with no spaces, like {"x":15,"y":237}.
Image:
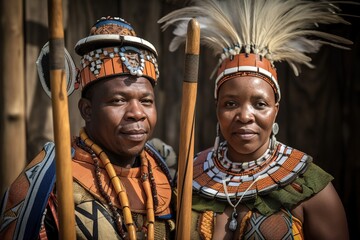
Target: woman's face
{"x":246,"y":110}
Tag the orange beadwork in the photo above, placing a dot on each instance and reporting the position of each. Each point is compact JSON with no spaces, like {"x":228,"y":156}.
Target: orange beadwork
{"x":121,"y":191}
{"x":280,"y":168}
{"x":106,"y":62}
{"x":244,"y":64}
{"x":244,"y":59}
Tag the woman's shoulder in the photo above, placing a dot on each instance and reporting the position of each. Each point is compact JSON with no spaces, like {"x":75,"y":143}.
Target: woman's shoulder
{"x":310,"y":174}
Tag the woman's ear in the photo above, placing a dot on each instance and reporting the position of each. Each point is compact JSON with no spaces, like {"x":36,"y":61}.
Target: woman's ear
{"x":277,"y":106}
{"x":85,"y":109}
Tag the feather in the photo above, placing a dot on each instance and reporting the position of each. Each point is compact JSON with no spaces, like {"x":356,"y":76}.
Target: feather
{"x":281,"y":30}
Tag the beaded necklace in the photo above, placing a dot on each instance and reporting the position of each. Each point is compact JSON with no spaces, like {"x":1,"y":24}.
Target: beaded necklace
{"x":237,"y":167}
{"x":95,"y":151}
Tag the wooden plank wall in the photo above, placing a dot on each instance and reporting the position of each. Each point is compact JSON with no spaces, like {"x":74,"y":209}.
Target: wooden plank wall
{"x":319,"y":112}
{"x":12,"y":96}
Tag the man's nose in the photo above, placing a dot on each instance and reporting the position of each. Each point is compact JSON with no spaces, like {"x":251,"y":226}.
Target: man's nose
{"x":135,"y":111}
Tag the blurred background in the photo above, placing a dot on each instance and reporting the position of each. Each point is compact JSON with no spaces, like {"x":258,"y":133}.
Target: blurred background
{"x":319,"y":111}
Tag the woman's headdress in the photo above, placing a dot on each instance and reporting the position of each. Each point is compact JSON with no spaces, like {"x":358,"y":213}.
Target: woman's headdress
{"x":250,"y":35}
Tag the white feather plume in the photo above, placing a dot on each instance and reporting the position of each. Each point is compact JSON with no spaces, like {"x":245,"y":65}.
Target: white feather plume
{"x":280,"y":30}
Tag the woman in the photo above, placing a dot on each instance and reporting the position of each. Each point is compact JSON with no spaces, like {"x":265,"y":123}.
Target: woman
{"x":250,"y":186}
{"x":295,"y":197}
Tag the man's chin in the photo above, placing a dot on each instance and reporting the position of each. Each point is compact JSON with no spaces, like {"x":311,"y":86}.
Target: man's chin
{"x":135,"y":148}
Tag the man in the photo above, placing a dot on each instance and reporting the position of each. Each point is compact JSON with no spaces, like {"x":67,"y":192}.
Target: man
{"x":122,"y":186}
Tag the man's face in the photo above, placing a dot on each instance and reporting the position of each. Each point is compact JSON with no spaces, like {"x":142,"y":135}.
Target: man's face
{"x":120,"y":114}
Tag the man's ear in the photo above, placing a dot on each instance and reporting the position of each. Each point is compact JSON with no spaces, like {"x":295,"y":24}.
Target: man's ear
{"x":85,"y":109}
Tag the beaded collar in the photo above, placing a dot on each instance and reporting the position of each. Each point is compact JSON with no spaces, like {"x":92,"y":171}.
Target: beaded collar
{"x":237,"y":167}
{"x":272,"y":171}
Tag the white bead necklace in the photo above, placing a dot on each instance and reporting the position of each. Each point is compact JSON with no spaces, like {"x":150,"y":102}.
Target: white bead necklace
{"x":233,"y":222}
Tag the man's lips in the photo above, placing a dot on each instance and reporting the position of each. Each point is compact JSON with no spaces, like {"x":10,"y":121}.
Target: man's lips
{"x":133,"y":131}
{"x":138,"y":134}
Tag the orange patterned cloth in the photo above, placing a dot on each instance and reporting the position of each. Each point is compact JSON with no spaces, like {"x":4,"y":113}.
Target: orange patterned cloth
{"x":84,"y":174}
{"x":280,"y":225}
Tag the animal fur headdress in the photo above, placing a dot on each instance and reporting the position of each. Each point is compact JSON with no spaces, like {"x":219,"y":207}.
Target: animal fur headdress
{"x":250,"y":35}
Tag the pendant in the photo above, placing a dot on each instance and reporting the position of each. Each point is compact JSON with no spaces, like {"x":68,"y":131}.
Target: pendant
{"x":140,"y":235}
{"x":233,"y":222}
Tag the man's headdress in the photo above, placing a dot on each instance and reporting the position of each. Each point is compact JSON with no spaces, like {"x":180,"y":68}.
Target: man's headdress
{"x":249,"y":36}
{"x":112,"y":48}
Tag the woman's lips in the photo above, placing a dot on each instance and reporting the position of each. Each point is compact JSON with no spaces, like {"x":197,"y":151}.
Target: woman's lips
{"x":245,"y":134}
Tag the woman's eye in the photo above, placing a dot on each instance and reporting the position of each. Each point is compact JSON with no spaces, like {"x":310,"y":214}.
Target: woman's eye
{"x":261,"y":104}
{"x":230,"y":104}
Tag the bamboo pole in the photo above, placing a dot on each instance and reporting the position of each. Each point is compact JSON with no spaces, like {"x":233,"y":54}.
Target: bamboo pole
{"x":187,"y":125}
{"x":12,"y":100}
{"x":64,"y":184}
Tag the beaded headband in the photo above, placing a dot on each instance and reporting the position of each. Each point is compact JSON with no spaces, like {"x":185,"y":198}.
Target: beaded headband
{"x":250,"y":36}
{"x":244,"y":64}
{"x":114,"y":49}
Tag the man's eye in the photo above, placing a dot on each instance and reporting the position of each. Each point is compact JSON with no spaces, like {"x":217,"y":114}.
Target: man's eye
{"x":118,"y":100}
{"x":147,"y":101}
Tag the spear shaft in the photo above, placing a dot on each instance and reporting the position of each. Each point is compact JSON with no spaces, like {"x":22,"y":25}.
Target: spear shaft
{"x":187,"y":125}
{"x":64,"y":183}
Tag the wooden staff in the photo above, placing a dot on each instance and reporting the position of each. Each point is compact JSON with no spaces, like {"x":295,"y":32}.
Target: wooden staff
{"x":64,"y":183}
{"x":187,"y":125}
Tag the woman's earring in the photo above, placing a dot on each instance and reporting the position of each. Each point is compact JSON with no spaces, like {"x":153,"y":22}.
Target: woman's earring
{"x":217,"y":138}
{"x":275,"y":130}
